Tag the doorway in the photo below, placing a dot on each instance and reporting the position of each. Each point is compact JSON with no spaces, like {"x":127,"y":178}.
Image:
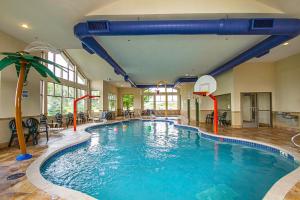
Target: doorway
{"x":256,"y":109}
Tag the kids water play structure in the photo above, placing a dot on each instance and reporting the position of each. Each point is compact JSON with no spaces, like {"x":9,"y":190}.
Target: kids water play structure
{"x":23,"y":62}
{"x":75,"y":107}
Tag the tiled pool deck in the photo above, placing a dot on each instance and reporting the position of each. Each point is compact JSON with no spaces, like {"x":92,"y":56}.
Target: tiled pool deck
{"x":23,"y":189}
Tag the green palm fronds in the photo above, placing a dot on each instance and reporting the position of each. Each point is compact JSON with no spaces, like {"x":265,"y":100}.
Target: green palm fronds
{"x":30,"y":62}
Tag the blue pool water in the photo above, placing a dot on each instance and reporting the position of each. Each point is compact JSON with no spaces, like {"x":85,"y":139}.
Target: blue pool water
{"x":154,"y":160}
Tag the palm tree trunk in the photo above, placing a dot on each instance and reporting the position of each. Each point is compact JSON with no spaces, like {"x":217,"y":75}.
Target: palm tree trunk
{"x":18,"y":102}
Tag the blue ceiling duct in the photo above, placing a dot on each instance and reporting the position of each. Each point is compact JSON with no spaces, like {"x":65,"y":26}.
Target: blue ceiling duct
{"x":257,"y":51}
{"x":154,"y":86}
{"x":280,"y":30}
{"x":188,"y":79}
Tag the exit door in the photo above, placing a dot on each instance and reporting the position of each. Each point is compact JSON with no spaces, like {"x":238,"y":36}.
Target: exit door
{"x":249,"y":110}
{"x":256,"y":109}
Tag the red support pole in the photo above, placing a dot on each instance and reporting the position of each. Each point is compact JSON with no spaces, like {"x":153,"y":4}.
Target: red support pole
{"x":75,"y":114}
{"x":215,"y":113}
{"x":75,"y":108}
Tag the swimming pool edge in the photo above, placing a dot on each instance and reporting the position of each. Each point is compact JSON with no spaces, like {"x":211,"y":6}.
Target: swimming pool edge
{"x":277,"y":191}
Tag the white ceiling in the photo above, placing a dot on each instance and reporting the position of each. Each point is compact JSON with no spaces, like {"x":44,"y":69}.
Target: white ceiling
{"x":146,"y":59}
{"x":94,"y":68}
{"x":149,"y":59}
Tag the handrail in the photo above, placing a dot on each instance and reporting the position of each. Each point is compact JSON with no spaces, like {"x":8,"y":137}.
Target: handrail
{"x":292,"y":139}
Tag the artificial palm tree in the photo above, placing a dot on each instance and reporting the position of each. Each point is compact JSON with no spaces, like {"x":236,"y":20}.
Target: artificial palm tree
{"x":23,"y":62}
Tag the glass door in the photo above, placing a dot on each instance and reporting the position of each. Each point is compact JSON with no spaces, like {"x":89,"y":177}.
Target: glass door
{"x":264,"y":109}
{"x":249,"y":110}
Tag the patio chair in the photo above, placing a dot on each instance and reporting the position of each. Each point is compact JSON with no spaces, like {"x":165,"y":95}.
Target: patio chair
{"x":59,"y":120}
{"x":33,"y":130}
{"x":70,"y":119}
{"x":126,"y":113}
{"x":106,"y":115}
{"x":13,"y":130}
{"x":44,"y":126}
{"x":209,"y":117}
{"x":81,"y":117}
{"x":222,"y":119}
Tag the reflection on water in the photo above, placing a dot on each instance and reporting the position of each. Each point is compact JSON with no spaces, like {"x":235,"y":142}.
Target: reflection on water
{"x":155,"y":160}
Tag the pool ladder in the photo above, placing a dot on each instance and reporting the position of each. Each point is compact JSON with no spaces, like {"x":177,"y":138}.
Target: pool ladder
{"x":293,"y":139}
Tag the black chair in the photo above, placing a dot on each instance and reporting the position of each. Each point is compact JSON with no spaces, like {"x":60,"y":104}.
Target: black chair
{"x":127,"y":113}
{"x":70,"y":119}
{"x":33,"y":130}
{"x":106,"y":115}
{"x":81,"y":117}
{"x":209,"y":117}
{"x":222,"y":119}
{"x":13,"y":129}
{"x":44,"y":126}
{"x":59,"y":120}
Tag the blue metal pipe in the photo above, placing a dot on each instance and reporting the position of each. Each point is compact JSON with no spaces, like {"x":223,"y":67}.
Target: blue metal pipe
{"x":153,"y":86}
{"x":95,"y":47}
{"x":281,"y":30}
{"x":92,"y":46}
{"x":253,"y":26}
{"x":253,"y":52}
{"x":186,"y":80}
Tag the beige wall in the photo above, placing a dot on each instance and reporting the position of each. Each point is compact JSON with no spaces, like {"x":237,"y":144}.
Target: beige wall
{"x":287,"y":82}
{"x":224,"y":85}
{"x":8,"y":82}
{"x":252,"y":77}
{"x":108,"y":88}
{"x":98,"y":85}
{"x":282,"y":79}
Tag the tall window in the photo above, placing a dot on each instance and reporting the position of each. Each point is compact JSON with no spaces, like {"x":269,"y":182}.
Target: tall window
{"x":80,"y":79}
{"x":68,"y":71}
{"x":160,"y":102}
{"x":95,"y":102}
{"x":157,"y":100}
{"x":148,"y":102}
{"x":172,"y":102}
{"x":81,"y":105}
{"x":112,"y":102}
{"x":68,"y":98}
{"x":128,"y":101}
{"x":60,"y":99}
{"x":54,"y":99}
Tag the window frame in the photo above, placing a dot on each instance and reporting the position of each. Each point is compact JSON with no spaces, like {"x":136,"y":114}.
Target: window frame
{"x":112,"y":98}
{"x":153,"y":92}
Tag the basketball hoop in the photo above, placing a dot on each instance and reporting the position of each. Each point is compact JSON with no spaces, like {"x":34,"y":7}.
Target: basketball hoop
{"x":205,"y":86}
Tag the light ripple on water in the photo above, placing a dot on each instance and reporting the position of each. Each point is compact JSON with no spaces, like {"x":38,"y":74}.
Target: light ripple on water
{"x":155,"y":160}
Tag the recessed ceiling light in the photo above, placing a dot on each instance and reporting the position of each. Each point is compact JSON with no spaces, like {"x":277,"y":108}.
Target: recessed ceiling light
{"x":25,"y":26}
{"x":286,"y":43}
{"x":187,"y":75}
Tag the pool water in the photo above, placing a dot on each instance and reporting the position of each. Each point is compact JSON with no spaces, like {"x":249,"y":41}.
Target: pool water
{"x":155,"y":160}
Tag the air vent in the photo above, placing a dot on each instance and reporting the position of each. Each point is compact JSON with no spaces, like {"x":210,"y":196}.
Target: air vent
{"x":262,"y":24}
{"x":98,"y":26}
